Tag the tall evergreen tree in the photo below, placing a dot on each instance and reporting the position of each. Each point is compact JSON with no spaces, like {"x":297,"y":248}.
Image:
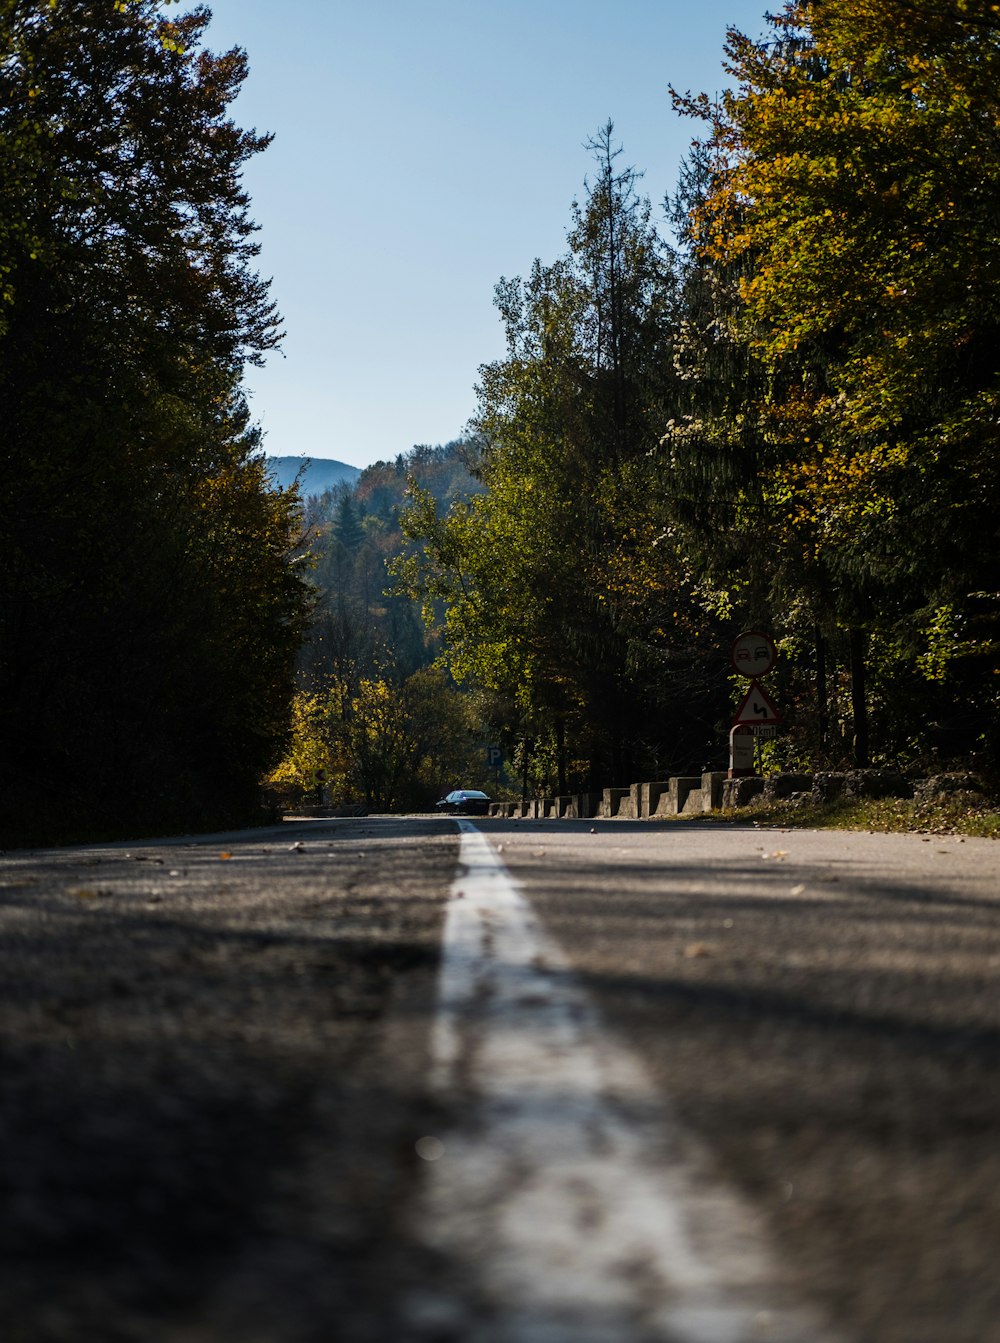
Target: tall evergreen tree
{"x":560,"y":590}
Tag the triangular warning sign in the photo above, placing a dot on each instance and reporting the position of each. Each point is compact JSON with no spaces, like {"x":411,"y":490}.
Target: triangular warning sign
{"x":757,"y":707}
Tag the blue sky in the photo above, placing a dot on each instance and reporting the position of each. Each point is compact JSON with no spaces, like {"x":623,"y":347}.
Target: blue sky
{"x":421,"y":152}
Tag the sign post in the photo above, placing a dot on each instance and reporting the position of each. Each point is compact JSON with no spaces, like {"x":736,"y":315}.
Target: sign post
{"x":753,"y":654}
{"x":742,"y":741}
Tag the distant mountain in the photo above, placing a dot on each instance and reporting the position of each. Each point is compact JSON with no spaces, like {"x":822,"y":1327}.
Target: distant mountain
{"x":321,"y":473}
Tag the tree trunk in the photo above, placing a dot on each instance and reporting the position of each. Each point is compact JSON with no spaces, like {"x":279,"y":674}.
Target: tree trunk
{"x":859,"y":702}
{"x":822,"y":700}
{"x":596,"y":777}
{"x":561,"y":755}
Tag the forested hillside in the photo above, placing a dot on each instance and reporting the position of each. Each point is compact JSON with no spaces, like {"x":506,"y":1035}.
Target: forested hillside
{"x":150,"y":604}
{"x":353,"y":535}
{"x":374,"y":714}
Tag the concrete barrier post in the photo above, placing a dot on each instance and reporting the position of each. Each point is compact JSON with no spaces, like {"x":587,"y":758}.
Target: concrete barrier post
{"x":588,"y":805}
{"x":693,"y":804}
{"x":680,"y":785}
{"x":649,"y":797}
{"x":711,"y":789}
{"x":627,"y":803}
{"x":610,"y":800}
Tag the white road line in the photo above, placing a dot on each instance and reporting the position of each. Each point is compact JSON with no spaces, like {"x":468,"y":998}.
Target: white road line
{"x":568,"y":1203}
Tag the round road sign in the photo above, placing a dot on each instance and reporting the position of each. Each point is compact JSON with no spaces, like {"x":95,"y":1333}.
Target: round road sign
{"x":753,"y":654}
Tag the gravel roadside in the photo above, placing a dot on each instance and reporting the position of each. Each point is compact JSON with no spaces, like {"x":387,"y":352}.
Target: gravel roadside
{"x":213,"y":1058}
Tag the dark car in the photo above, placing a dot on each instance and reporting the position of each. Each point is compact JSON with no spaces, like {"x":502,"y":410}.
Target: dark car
{"x":465,"y":802}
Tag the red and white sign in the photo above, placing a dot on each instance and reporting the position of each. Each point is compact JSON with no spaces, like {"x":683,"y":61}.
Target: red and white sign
{"x":753,"y":654}
{"x":756,"y":708}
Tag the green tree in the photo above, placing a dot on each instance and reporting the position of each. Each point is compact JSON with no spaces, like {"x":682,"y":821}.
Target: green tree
{"x":361,"y":628}
{"x":854,"y":200}
{"x":389,"y":746}
{"x":560,"y":590}
{"x":149,"y":604}
{"x":347,"y":526}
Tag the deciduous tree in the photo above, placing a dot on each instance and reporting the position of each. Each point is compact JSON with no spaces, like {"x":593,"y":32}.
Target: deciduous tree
{"x":856,"y":179}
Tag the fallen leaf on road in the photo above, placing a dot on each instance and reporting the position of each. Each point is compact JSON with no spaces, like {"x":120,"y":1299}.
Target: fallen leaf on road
{"x":224,"y":856}
{"x":697,"y":949}
{"x":797,"y":890}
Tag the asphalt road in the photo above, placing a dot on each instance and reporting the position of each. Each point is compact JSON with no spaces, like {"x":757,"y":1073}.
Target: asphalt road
{"x":822,"y":1010}
{"x":220,"y":1118}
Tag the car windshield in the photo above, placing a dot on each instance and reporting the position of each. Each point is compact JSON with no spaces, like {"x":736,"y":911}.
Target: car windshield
{"x":471,"y":792}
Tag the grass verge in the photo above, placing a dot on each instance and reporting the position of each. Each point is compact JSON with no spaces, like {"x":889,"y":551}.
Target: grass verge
{"x":954,"y":814}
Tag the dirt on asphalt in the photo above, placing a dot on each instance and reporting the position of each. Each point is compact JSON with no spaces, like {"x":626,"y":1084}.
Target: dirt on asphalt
{"x":212,"y":1070}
